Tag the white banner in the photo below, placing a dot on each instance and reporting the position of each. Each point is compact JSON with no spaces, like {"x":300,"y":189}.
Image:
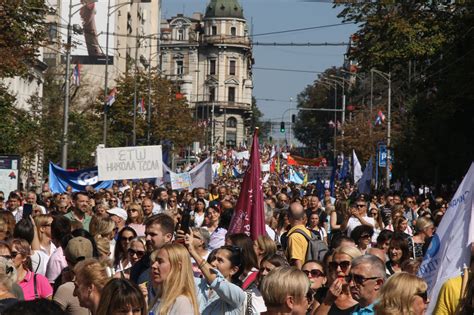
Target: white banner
{"x":180,"y":180}
{"x":130,"y":162}
{"x":449,"y":249}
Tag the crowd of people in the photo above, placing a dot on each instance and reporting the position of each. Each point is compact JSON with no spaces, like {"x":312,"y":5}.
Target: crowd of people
{"x":141,"y":249}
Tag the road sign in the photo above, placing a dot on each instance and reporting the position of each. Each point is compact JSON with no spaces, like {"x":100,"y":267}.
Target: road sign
{"x":382,"y":156}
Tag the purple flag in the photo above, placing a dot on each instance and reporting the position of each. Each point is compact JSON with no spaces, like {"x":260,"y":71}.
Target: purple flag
{"x":249,"y":216}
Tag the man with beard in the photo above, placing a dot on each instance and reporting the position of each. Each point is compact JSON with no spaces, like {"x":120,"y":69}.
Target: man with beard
{"x":80,"y":209}
{"x":314,"y":207}
{"x":158,"y":232}
{"x":147,"y":206}
{"x":366,"y":278}
{"x":160,"y":196}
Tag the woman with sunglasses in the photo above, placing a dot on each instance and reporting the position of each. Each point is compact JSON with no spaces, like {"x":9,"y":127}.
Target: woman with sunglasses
{"x":121,"y":259}
{"x":34,"y":285}
{"x":403,"y":294}
{"x":314,"y":270}
{"x":338,"y":299}
{"x":135,"y":218}
{"x":219,"y":291}
{"x":135,"y":252}
{"x":362,"y":236}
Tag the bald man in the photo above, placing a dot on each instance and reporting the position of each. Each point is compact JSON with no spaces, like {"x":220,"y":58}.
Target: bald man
{"x":297,"y":243}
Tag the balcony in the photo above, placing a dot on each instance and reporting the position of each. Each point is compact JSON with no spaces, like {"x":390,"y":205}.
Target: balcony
{"x":224,"y":105}
{"x":226,"y":40}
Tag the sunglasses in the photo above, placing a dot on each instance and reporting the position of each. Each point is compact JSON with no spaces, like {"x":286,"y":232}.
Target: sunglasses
{"x":343,"y":264}
{"x":14,"y":254}
{"x":358,"y":279}
{"x":360,"y":206}
{"x":6,"y":256}
{"x":365,"y":236}
{"x":315,"y":273}
{"x":423,"y":295}
{"x":127,"y":238}
{"x":139,"y":253}
{"x":132,"y":210}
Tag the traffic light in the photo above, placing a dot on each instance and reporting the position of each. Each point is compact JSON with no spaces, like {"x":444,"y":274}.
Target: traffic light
{"x":293,"y":118}
{"x":282,"y":127}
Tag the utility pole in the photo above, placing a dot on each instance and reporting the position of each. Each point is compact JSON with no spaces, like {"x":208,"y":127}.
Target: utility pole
{"x":137,"y":45}
{"x":66,"y":92}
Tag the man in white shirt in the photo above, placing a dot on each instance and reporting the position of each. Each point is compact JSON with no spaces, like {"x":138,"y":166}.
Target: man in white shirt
{"x":32,"y":199}
{"x":359,"y":216}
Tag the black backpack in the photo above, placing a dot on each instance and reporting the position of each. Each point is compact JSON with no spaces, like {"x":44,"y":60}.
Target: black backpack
{"x":317,"y":249}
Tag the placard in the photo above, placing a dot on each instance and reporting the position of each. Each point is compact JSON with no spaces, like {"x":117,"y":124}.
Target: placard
{"x":130,"y":162}
{"x":180,"y":180}
{"x":9,"y":173}
{"x":322,"y":173}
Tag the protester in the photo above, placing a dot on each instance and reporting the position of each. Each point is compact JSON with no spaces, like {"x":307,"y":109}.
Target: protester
{"x":297,"y":243}
{"x":314,"y":270}
{"x":366,"y":279}
{"x":135,"y":219}
{"x":397,"y":252}
{"x":403,"y":294}
{"x":284,"y":290}
{"x":121,"y":258}
{"x":269,"y":263}
{"x":264,"y":246}
{"x":172,"y":278}
{"x":79,"y":210}
{"x":91,"y":277}
{"x":120,"y":296}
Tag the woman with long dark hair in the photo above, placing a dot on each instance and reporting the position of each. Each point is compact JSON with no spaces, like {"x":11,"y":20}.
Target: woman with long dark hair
{"x":125,"y":236}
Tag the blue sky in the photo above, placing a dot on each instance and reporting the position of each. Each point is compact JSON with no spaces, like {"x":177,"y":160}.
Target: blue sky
{"x":278,"y":15}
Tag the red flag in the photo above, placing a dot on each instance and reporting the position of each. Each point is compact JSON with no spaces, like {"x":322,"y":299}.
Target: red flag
{"x":249,"y":215}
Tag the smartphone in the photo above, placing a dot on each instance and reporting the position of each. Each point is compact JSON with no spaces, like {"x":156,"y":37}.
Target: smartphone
{"x":185,"y":222}
{"x":27,"y":211}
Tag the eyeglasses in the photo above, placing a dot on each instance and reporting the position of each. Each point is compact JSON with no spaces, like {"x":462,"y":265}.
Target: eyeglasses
{"x":423,"y":295}
{"x":315,"y":273}
{"x":14,"y":254}
{"x":343,"y":264}
{"x":139,"y":253}
{"x":127,"y":238}
{"x":358,"y":279}
{"x":360,"y":206}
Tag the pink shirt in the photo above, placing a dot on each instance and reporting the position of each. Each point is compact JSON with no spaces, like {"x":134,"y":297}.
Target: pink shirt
{"x":56,"y":263}
{"x":43,"y":287}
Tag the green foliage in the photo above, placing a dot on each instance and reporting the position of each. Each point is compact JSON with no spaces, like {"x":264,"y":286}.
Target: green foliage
{"x":256,"y":121}
{"x":171,"y":118}
{"x":22,"y":31}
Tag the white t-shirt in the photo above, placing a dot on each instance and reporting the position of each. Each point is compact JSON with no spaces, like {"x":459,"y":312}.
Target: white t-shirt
{"x":354,"y":222}
{"x":199,"y":219}
{"x":39,"y":261}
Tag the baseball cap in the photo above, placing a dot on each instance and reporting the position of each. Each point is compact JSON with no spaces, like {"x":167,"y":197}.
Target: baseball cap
{"x":77,"y":249}
{"x":118,"y":212}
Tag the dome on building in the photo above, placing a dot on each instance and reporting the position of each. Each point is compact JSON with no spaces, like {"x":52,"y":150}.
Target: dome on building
{"x":224,"y":8}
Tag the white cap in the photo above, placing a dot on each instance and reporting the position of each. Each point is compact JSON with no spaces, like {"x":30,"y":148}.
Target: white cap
{"x":118,"y":212}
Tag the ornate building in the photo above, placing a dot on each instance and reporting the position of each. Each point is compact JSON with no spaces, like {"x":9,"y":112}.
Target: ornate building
{"x":210,"y":59}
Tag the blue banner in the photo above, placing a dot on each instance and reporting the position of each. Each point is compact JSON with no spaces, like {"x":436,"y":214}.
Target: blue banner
{"x":364,"y":184}
{"x":60,"y":178}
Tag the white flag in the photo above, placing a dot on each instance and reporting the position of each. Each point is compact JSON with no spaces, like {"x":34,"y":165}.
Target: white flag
{"x":357,"y":168}
{"x":449,"y":249}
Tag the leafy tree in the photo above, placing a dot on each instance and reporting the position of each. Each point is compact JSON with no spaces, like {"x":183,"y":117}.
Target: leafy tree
{"x":22,"y":32}
{"x":171,"y":118}
{"x":256,"y":121}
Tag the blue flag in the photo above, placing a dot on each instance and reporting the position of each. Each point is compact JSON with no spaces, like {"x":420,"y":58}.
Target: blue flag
{"x":364,"y":184}
{"x":296,"y":177}
{"x":60,"y":178}
{"x":344,"y":170}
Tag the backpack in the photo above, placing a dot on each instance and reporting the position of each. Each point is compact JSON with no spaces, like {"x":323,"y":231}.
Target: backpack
{"x":317,"y":249}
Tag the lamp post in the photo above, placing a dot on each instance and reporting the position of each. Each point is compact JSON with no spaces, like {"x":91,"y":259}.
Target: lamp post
{"x":387,"y":77}
{"x":336,"y":82}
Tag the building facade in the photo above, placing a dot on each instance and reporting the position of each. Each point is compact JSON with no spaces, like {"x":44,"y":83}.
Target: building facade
{"x":209,"y":57}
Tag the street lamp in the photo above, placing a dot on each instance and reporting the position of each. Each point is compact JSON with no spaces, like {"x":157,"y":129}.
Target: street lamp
{"x":66,"y":84}
{"x":336,"y":83}
{"x":387,"y":76}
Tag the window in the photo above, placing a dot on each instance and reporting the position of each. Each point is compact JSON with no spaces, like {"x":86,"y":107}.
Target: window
{"x":212,"y":67}
{"x":233,"y":31}
{"x":231,"y":138}
{"x":212,"y":94}
{"x":232,"y":67}
{"x":214,"y":30}
{"x":231,"y":94}
{"x":232,"y":122}
{"x":179,"y":67}
{"x":180,"y":34}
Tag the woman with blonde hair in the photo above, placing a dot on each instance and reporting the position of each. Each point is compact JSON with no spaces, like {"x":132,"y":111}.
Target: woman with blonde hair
{"x":424,"y":229}
{"x":284,"y":290}
{"x":43,"y":226}
{"x":102,"y":227}
{"x":172,"y":277}
{"x":264,"y":246}
{"x":135,"y":218}
{"x":403,"y":294}
{"x":91,"y":277}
